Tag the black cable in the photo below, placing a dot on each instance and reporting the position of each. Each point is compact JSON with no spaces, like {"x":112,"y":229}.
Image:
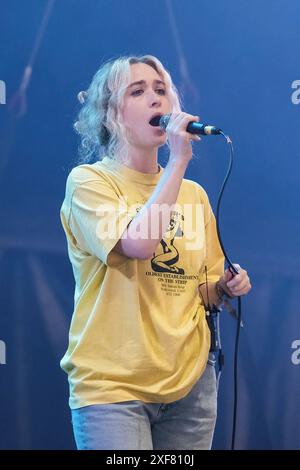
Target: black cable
{"x":233,"y":271}
{"x":206,"y":284}
{"x":232,"y":268}
{"x":236,"y":349}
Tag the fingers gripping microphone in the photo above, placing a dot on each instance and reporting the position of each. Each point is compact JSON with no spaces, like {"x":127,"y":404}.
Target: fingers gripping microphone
{"x":192,"y":128}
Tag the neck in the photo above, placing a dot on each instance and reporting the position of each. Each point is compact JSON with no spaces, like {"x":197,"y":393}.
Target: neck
{"x":142,"y":159}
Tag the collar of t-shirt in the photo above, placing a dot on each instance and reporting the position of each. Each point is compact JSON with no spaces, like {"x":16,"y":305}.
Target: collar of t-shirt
{"x":130,"y":173}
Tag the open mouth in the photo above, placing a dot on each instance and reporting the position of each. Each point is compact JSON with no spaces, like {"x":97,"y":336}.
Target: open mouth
{"x":154,"y":121}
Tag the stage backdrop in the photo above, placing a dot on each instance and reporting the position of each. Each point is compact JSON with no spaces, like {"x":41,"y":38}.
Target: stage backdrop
{"x":236,"y":64}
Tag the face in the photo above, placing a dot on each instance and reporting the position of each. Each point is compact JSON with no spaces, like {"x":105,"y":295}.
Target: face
{"x":145,"y":97}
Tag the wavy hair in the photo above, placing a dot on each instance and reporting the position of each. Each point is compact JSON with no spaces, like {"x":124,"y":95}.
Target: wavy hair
{"x":99,"y":123}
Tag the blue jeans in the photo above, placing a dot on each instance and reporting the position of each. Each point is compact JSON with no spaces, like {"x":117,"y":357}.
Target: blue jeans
{"x":185,"y":424}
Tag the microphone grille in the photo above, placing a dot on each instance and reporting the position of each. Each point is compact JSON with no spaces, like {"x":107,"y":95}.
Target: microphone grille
{"x":164,"y":121}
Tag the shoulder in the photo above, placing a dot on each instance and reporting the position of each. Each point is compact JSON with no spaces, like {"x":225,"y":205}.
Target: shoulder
{"x":195,"y":187}
{"x":89,"y":185}
{"x":86,"y":175}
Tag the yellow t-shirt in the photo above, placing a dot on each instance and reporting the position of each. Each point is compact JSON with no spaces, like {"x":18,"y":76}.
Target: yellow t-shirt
{"x":138,"y":330}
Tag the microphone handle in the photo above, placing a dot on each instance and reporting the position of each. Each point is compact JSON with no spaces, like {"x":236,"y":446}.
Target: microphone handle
{"x":203,"y":129}
{"x":193,"y":127}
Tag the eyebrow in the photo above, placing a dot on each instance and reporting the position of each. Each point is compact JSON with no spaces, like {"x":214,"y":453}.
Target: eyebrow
{"x":143,"y":82}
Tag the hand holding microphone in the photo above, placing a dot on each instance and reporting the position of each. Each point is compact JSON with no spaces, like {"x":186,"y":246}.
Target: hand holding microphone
{"x":179,"y":139}
{"x":182,"y":129}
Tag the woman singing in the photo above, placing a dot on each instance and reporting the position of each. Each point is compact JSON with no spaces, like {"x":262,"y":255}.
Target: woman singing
{"x":142,"y":241}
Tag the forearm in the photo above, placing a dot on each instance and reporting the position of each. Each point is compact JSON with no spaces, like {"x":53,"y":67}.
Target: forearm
{"x":211,"y":294}
{"x":148,"y":227}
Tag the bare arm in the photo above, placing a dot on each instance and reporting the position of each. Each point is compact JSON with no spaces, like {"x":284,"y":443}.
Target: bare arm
{"x":153,"y":219}
{"x":233,"y":286}
{"x":209,"y":294}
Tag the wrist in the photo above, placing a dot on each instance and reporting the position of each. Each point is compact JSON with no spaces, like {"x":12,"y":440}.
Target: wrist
{"x":177,"y":162}
{"x":221,"y":291}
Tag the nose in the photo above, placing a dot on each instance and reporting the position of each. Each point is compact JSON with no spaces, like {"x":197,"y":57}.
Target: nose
{"x":154,"y":99}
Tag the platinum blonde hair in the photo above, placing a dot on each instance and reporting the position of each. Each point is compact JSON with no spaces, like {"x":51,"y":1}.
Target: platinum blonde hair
{"x":99,"y":123}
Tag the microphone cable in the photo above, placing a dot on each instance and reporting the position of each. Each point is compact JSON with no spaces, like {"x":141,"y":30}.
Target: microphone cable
{"x":199,"y":128}
{"x":233,"y":271}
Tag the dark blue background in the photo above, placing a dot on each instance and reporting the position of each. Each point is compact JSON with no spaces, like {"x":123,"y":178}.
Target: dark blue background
{"x":241,"y":59}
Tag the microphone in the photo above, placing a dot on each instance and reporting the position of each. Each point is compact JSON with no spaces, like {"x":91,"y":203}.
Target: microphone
{"x":192,"y":127}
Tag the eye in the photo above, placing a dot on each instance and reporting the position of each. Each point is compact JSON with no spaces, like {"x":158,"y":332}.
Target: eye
{"x":160,"y":91}
{"x":137,"y":92}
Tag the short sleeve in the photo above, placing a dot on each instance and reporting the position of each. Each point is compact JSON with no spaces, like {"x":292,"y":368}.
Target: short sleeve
{"x":214,"y":258}
{"x":98,"y":217}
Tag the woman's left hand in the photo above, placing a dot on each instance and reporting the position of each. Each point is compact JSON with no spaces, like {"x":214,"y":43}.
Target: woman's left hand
{"x":235,"y":285}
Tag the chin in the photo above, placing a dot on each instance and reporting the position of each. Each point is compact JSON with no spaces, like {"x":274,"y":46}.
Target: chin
{"x":160,"y":136}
